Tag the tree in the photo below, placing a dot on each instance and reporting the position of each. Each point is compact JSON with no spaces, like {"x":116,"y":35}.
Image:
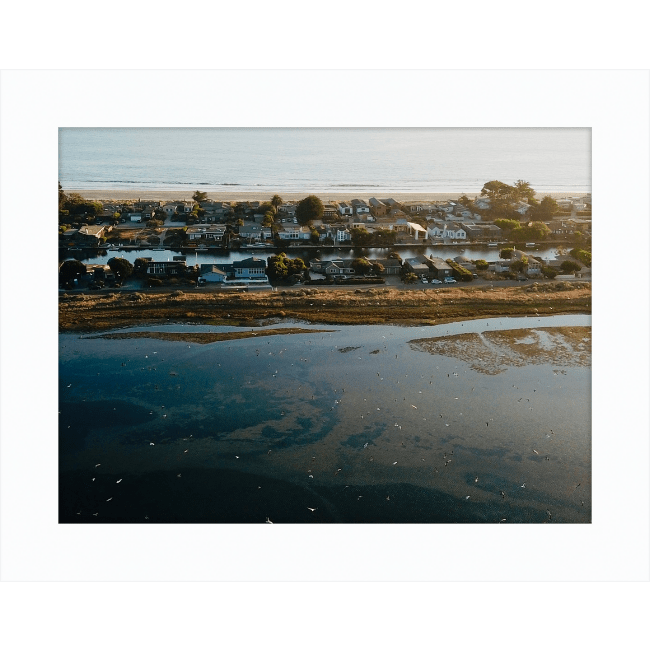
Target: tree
{"x":394,"y":256}
{"x":519,"y":265}
{"x":465,"y":200}
{"x":570,"y":267}
{"x":410,"y":278}
{"x":62,"y":198}
{"x":276,"y":201}
{"x":377,"y":268}
{"x":280,"y":267}
{"x":199,"y":197}
{"x":481,"y":265}
{"x":506,"y":253}
{"x":582,"y":255}
{"x":507,"y":224}
{"x":361,"y":265}
{"x":549,"y":272}
{"x":545,"y":210}
{"x":361,"y":237}
{"x":121,"y":267}
{"x":498,"y":191}
{"x":523,"y":191}
{"x":71,"y":269}
{"x":308,"y":209}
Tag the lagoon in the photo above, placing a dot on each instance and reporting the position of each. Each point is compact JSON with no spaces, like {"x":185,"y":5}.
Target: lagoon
{"x":460,"y":422}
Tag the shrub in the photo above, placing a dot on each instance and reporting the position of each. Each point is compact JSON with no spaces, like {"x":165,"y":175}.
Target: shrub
{"x":460,"y":272}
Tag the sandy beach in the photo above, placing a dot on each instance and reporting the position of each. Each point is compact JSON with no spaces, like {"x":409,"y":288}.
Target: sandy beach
{"x":176,"y":195}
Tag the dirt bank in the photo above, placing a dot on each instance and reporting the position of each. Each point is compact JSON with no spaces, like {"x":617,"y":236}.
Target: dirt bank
{"x":345,"y":306}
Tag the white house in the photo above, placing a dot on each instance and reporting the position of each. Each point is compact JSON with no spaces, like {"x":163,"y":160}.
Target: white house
{"x":360,"y":207}
{"x":293,"y":231}
{"x":345,"y":209}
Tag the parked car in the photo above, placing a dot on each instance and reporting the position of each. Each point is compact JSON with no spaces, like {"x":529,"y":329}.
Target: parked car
{"x":450,"y":281}
{"x":436,"y":281}
{"x":425,"y":281}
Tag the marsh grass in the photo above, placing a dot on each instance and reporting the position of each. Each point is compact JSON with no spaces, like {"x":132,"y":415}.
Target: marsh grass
{"x":330,"y":306}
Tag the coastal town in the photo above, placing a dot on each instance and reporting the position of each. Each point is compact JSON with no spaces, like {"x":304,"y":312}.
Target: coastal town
{"x":507,"y":218}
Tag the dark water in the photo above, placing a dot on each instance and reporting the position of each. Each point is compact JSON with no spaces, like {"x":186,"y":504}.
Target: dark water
{"x":356,"y":424}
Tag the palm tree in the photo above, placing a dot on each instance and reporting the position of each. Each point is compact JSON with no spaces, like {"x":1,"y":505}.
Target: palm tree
{"x":276,"y":201}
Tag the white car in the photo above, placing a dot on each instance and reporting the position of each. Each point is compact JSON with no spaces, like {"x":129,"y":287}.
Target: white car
{"x":425,"y":281}
{"x":435,"y":281}
{"x":450,"y":281}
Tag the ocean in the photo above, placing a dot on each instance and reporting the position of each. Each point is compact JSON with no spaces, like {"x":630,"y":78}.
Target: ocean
{"x":324,"y":160}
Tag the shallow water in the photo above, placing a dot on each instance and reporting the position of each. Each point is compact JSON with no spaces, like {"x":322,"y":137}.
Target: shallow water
{"x":364,"y":424}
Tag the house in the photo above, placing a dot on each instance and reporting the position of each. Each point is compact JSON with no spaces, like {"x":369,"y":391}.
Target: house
{"x":293,"y":231}
{"x":447,"y":207}
{"x":99,"y":272}
{"x":440,"y":268}
{"x":360,"y":207}
{"x":330,"y":211}
{"x":345,"y":209}
{"x":170,"y":209}
{"x":378,"y":208}
{"x":441,"y":230}
{"x":289,"y":209}
{"x":206,"y":233}
{"x":481,"y":232}
{"x":212,"y":273}
{"x":251,"y":267}
{"x":337,"y":267}
{"x":174,"y":268}
{"x":417,"y":265}
{"x":250,"y":233}
{"x":342,"y":234}
{"x":135,"y":216}
{"x":462,"y":211}
{"x":90,"y":235}
{"x":482,"y":203}
{"x":416,"y":229}
{"x":391,"y":266}
{"x":521,"y":207}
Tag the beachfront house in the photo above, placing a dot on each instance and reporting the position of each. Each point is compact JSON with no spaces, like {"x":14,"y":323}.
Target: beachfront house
{"x":345,"y":210}
{"x":170,"y":209}
{"x":360,"y":207}
{"x":378,"y":208}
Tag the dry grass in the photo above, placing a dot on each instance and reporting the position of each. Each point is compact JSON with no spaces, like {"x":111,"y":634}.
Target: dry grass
{"x":339,"y":306}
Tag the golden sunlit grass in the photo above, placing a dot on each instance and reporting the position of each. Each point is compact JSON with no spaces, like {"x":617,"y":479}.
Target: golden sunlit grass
{"x":338,"y":306}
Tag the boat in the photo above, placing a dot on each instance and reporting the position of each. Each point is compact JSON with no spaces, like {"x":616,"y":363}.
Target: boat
{"x":530,"y":245}
{"x":493,"y":245}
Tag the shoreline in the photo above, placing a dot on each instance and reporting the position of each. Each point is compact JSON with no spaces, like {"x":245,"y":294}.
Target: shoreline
{"x":186,"y":195}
